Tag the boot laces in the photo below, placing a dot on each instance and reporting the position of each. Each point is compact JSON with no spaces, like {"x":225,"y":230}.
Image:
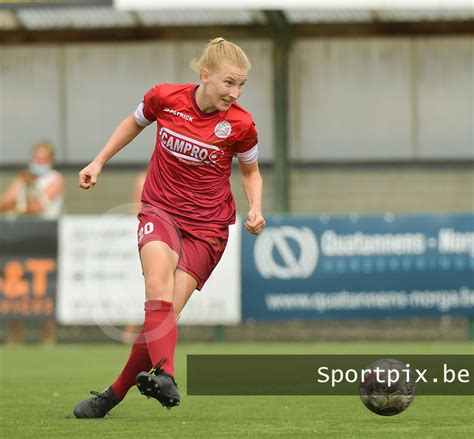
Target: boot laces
{"x":157,"y":370}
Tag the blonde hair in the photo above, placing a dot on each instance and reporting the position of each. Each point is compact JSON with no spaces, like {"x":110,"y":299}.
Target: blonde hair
{"x":218,"y":51}
{"x":44,"y":145}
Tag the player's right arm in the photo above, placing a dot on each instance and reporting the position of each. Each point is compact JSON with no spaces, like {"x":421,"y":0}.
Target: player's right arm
{"x":127,"y":130}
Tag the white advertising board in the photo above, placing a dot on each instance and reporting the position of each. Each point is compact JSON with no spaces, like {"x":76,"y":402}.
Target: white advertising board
{"x":100,"y":280}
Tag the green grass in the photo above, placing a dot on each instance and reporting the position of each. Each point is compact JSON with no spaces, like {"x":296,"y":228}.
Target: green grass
{"x":39,"y":387}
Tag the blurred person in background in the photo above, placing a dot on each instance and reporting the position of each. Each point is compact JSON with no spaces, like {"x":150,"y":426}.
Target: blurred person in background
{"x":187,"y":207}
{"x":37,"y":190}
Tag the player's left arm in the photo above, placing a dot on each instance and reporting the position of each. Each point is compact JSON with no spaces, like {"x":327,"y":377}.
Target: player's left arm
{"x":253,"y":187}
{"x":36,"y":205}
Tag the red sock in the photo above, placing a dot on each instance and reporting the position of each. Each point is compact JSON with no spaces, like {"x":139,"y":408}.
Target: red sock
{"x":161,"y":333}
{"x":138,"y":361}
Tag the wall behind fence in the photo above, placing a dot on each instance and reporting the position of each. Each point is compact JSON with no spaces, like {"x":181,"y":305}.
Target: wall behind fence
{"x":383,"y":98}
{"x":75,"y":94}
{"x":351,"y":99}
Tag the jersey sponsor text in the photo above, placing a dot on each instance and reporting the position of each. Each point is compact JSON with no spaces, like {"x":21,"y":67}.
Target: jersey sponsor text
{"x":188,"y":149}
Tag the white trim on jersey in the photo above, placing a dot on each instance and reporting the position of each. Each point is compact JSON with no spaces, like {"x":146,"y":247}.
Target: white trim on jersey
{"x":140,"y":117}
{"x":249,"y":156}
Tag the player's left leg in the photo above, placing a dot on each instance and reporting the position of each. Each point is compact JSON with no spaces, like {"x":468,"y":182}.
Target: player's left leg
{"x":184,"y":286}
{"x":101,"y":403}
{"x":138,"y":361}
{"x":97,"y":406}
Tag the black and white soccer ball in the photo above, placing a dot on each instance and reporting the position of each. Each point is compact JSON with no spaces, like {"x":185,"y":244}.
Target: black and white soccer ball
{"x":380,"y":393}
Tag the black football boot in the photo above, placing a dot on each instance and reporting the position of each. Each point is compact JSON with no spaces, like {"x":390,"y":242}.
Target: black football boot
{"x":97,"y":406}
{"x":159,"y":385}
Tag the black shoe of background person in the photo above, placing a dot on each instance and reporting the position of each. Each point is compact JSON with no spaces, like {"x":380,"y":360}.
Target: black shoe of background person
{"x":97,"y":406}
{"x":159,"y":385}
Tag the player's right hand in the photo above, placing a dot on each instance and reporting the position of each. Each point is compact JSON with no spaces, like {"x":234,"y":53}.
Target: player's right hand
{"x":88,"y":176}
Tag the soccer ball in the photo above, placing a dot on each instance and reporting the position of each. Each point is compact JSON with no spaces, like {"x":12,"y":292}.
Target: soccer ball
{"x":387,"y":387}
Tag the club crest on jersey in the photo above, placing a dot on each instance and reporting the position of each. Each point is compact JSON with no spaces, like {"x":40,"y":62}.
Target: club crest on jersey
{"x":223,"y":129}
{"x":188,"y":150}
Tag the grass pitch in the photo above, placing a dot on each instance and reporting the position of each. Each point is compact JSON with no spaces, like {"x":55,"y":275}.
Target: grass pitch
{"x":39,"y":386}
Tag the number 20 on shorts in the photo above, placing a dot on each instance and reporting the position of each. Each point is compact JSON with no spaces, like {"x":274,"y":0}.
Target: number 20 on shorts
{"x":145,"y":230}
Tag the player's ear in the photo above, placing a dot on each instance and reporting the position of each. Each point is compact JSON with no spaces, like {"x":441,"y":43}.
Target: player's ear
{"x":204,"y":76}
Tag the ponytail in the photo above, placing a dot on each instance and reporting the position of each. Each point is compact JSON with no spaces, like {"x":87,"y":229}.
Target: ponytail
{"x":218,"y":51}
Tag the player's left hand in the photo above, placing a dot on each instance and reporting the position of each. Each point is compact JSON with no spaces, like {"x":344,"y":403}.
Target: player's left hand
{"x":255,"y":222}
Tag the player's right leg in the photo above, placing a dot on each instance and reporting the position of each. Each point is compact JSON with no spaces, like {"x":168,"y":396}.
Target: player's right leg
{"x":154,"y":345}
{"x":157,"y":383}
{"x":159,"y":262}
{"x":138,"y":361}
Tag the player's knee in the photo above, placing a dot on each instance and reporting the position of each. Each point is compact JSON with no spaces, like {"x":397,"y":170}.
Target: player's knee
{"x":159,"y":288}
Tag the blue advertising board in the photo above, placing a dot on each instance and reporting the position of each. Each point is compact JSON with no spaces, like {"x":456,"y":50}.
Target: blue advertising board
{"x":359,"y":267}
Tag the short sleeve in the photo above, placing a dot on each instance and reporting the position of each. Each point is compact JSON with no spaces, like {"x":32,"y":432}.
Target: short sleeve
{"x":248,"y":157}
{"x":246,"y":148}
{"x":247,"y":140}
{"x":147,"y":111}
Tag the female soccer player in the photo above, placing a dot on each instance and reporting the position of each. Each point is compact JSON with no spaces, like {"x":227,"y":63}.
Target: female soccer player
{"x":187,"y":206}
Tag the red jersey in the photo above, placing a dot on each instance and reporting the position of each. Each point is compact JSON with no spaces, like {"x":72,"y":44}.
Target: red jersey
{"x":190,"y":168}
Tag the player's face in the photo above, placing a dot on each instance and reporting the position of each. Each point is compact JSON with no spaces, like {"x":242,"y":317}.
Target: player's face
{"x":223,"y":86}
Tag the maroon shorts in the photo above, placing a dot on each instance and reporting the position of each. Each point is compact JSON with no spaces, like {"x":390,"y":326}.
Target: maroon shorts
{"x":199,"y":249}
